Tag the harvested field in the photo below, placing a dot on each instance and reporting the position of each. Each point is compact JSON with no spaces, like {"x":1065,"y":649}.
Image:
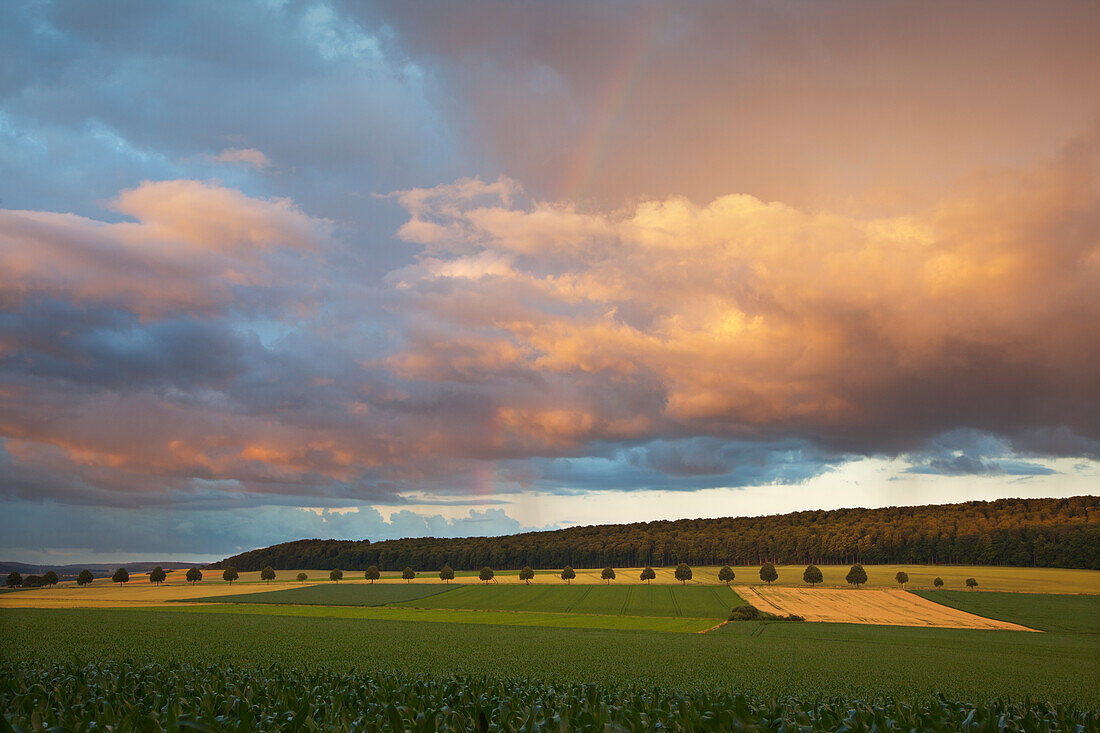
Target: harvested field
{"x":866,"y":606}
{"x":104,"y":594}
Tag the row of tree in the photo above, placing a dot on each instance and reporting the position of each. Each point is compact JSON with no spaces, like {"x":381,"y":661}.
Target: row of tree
{"x":1020,"y":532}
{"x":857,"y":576}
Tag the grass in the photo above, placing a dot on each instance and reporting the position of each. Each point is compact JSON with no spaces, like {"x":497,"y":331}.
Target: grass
{"x":615,"y":600}
{"x":333,"y":594}
{"x":498,"y":618}
{"x":809,"y":661}
{"x":1046,"y":612}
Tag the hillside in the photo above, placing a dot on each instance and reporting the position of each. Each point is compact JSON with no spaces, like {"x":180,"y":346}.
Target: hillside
{"x":1025,"y":532}
{"x":98,"y":569}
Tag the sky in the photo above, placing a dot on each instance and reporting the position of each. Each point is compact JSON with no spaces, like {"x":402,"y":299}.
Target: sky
{"x":274,"y":270}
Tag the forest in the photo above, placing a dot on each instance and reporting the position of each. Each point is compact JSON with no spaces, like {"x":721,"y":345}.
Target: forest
{"x":1061,"y":533}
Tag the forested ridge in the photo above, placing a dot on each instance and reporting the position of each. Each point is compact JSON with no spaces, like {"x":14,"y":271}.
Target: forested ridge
{"x":1025,"y":532}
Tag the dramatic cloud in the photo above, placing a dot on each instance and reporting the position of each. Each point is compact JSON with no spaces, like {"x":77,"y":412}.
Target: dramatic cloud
{"x":745,"y":318}
{"x":534,"y":257}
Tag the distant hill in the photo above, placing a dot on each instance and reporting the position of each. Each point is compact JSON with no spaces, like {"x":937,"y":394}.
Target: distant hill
{"x":1025,"y":532}
{"x":99,"y":570}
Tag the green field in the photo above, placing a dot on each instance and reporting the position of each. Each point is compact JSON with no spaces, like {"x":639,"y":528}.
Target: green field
{"x":334,"y":594}
{"x":101,"y":696}
{"x":807,"y":660}
{"x":615,"y":600}
{"x":1080,"y":614}
{"x":445,"y":615}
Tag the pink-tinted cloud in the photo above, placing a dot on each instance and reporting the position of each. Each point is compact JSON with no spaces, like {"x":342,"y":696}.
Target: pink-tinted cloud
{"x":192,"y":243}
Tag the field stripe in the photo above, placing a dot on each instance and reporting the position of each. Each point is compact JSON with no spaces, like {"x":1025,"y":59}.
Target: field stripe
{"x":460,"y":616}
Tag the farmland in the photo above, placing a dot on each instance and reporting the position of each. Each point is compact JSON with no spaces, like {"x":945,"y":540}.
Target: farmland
{"x":540,"y":657}
{"x":867,"y":606}
{"x":640,"y":600}
{"x":333,"y":594}
{"x":69,"y":697}
{"x":1080,"y":614}
{"x":813,"y":660}
{"x":464,"y":616}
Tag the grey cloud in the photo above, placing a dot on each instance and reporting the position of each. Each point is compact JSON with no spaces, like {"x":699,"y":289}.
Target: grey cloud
{"x":166,"y":530}
{"x":969,"y":452}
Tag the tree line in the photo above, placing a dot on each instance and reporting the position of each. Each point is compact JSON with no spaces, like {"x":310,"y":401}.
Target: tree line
{"x":812,"y":575}
{"x":1020,"y":532}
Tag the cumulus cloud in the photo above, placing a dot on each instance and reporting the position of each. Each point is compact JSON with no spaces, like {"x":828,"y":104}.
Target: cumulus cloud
{"x":741,"y":317}
{"x":191,"y":246}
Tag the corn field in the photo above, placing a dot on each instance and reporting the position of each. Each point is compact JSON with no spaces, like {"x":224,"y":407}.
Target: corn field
{"x":172,"y":697}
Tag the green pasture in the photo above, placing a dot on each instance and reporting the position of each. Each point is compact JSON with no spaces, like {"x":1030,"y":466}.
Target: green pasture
{"x":333,"y":594}
{"x":463,"y":616}
{"x":1046,"y":612}
{"x":614,"y":600}
{"x":808,"y":661}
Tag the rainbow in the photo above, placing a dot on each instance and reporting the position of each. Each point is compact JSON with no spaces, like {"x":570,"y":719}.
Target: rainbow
{"x":618,"y":85}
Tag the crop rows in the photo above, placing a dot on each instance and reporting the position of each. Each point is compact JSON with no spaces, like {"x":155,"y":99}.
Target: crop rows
{"x":169,"y":697}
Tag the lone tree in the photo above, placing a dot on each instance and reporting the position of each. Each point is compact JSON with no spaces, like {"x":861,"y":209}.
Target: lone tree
{"x":683,"y":573}
{"x":938,"y":582}
{"x":971,"y":583}
{"x":608,"y":574}
{"x":49,"y":578}
{"x":526,"y":574}
{"x":647,"y":574}
{"x":267,"y":574}
{"x":408,"y":574}
{"x":85,"y":578}
{"x":567,"y":574}
{"x":812,"y":575}
{"x":371,"y":574}
{"x":902,"y":577}
{"x":194,"y":575}
{"x":726,"y":574}
{"x":768,"y":574}
{"x":857,"y":576}
{"x":302,"y":577}
{"x":336,"y":574}
{"x":157,"y":575}
{"x":14,"y":579}
{"x":121,"y":576}
{"x":486,"y":574}
{"x":447,"y":573}
{"x":230,"y":574}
